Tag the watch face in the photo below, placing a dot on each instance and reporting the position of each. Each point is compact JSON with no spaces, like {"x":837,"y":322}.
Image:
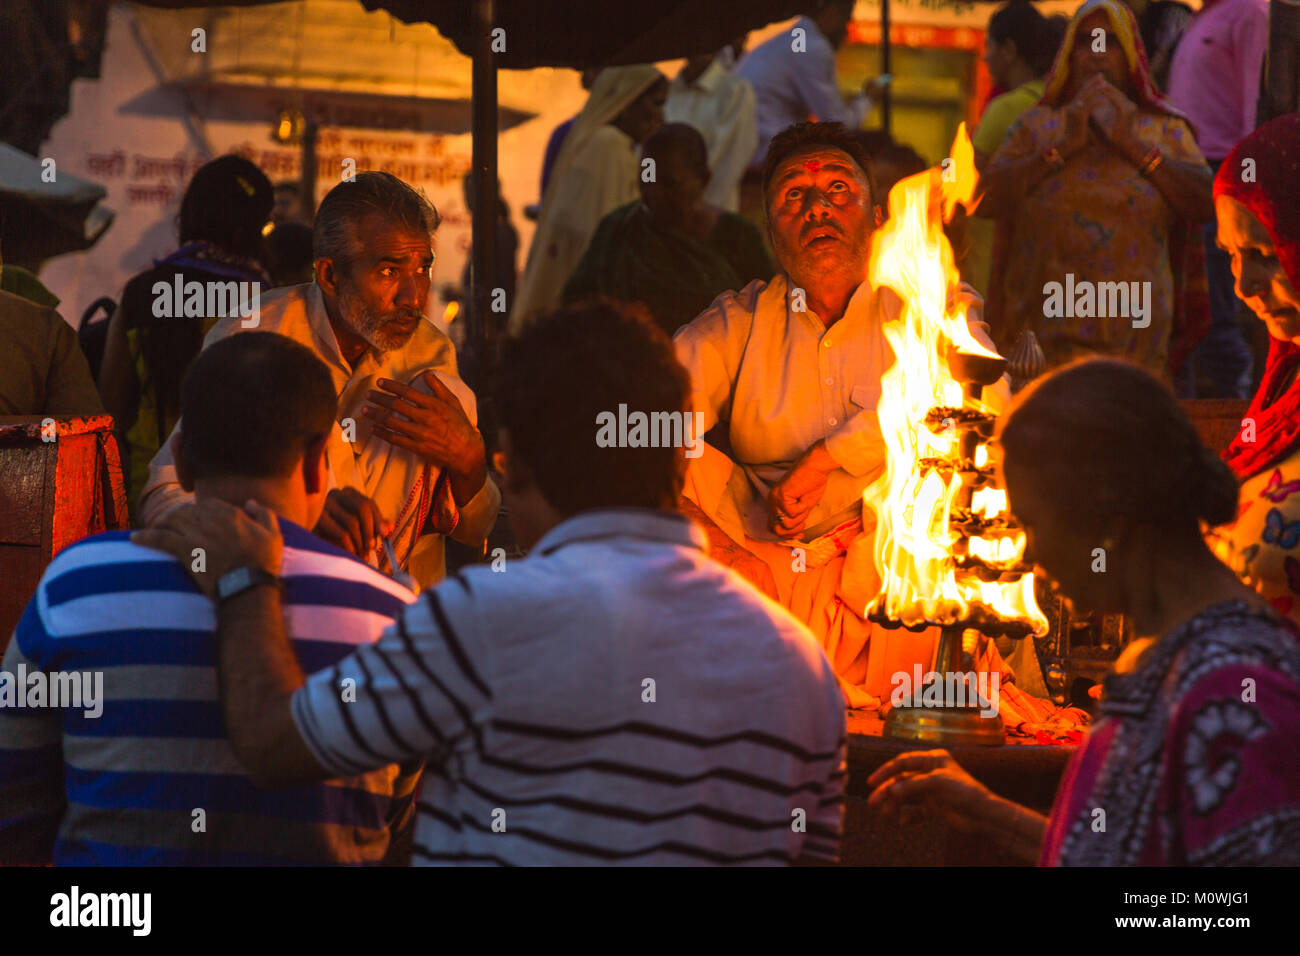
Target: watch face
{"x":233,"y":581}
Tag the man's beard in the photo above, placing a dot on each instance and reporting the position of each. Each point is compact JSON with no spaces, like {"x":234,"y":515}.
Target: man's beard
{"x":808,"y":269}
{"x":375,"y":327}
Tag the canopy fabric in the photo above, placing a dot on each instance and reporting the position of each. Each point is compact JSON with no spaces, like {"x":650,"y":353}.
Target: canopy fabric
{"x":580,"y":33}
{"x":40,"y":219}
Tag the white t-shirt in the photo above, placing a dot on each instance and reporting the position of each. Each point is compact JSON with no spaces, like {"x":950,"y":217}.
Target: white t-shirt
{"x":614,"y":698}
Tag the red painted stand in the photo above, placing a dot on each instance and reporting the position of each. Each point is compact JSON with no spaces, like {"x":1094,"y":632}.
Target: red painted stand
{"x":58,"y":484}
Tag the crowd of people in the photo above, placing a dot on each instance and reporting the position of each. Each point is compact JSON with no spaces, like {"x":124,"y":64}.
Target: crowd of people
{"x":292,"y":674}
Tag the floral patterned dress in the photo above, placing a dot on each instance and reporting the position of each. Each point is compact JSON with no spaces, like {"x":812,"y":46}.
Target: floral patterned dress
{"x":1196,"y":757}
{"x":1101,"y":221}
{"x":1263,"y":544}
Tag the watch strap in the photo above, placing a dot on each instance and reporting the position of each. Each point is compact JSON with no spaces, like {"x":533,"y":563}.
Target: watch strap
{"x":242,"y":579}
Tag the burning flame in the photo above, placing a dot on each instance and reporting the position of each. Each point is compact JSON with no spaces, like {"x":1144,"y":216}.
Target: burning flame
{"x":916,"y":548}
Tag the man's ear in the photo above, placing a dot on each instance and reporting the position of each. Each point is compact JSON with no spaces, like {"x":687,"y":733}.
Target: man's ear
{"x":183,"y":474}
{"x":315,"y":465}
{"x":515,"y":475}
{"x":327,"y":276}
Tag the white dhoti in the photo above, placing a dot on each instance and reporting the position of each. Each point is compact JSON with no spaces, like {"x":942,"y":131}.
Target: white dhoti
{"x":830,"y":597}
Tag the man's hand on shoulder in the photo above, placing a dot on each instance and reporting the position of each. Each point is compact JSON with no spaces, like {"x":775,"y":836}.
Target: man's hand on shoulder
{"x":211,"y":537}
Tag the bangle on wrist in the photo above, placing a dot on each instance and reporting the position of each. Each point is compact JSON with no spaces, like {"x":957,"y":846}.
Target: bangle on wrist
{"x":1150,"y":161}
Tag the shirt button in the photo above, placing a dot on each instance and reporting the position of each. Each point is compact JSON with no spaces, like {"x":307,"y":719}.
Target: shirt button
{"x":830,"y":381}
{"x":830,"y":421}
{"x":826,"y":343}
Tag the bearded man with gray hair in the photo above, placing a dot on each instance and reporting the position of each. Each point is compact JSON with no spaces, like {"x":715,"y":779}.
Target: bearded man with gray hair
{"x":406,"y":460}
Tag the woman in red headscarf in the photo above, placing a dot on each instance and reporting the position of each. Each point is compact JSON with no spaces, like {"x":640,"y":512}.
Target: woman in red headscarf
{"x":1095,"y":188}
{"x":1257,"y":202}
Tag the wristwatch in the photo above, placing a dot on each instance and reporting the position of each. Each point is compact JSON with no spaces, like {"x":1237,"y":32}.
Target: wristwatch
{"x":242,"y":579}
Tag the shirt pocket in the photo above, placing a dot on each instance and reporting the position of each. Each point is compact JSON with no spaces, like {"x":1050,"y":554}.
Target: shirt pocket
{"x":865,"y":396}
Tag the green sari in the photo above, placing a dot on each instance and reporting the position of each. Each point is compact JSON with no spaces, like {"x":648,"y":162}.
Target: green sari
{"x":633,"y":259}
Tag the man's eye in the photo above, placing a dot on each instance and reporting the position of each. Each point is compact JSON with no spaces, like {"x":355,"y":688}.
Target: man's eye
{"x":838,"y":186}
{"x":794,"y":195}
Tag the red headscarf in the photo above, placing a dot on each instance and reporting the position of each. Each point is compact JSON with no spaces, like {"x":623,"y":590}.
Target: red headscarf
{"x":1191,"y":307}
{"x":1273,"y":197}
{"x":1125,"y":29}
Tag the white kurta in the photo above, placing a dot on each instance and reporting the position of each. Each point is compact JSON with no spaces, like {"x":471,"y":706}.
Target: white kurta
{"x":382,"y":471}
{"x":721,"y":106}
{"x":782,"y":381}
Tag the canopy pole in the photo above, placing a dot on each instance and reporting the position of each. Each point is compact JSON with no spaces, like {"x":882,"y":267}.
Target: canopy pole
{"x":481,"y":332}
{"x":886,"y":95}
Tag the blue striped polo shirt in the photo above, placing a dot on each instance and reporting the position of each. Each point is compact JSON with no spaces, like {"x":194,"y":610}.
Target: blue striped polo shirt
{"x":147,"y":776}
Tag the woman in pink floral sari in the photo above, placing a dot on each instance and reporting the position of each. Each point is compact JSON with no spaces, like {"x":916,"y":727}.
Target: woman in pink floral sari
{"x":1195,"y":759}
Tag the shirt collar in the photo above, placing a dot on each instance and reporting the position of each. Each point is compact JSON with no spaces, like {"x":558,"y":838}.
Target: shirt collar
{"x":663,"y":527}
{"x":811,"y":29}
{"x":859,"y":306}
{"x":328,"y":344}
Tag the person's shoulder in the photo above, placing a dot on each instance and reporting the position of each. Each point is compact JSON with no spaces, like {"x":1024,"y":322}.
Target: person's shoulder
{"x":1006,"y":106}
{"x":1231,"y":634}
{"x":106,"y":564}
{"x":21,"y":311}
{"x":734,"y":311}
{"x":105,"y":548}
{"x":615,"y":218}
{"x":738,"y":89}
{"x":609,"y":137}
{"x":284,"y":310}
{"x":285,"y":306}
{"x":740,"y":616}
{"x":308,"y":556}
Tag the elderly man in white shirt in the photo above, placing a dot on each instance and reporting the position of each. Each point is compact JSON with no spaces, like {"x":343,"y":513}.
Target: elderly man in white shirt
{"x":707,"y":95}
{"x":791,"y":368}
{"x":407,"y":462}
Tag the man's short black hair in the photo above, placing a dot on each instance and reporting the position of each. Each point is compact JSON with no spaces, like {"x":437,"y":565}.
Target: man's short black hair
{"x":560,"y":373}
{"x":251,"y":404}
{"x":802,"y":137}
{"x":1021,"y":23}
